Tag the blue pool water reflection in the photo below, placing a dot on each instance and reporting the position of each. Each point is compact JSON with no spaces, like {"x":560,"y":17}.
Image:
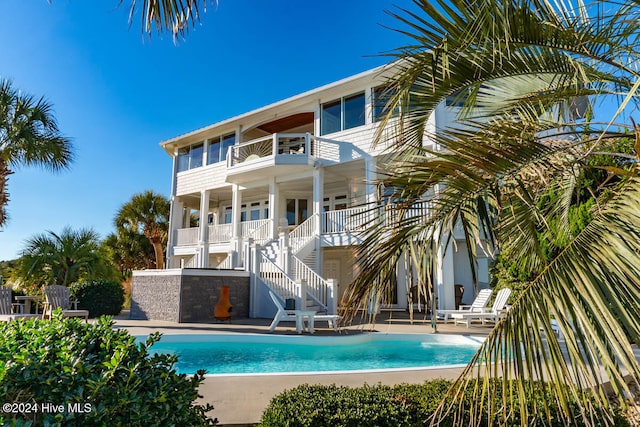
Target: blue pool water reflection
{"x":253,"y":353}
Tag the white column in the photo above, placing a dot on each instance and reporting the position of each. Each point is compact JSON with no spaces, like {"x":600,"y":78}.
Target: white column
{"x":236,"y":238}
{"x":176,"y":214}
{"x":445,"y":276}
{"x":318,"y":195}
{"x":254,"y":275}
{"x":285,"y":251}
{"x":370,"y":186}
{"x":203,"y":240}
{"x":332,"y":296}
{"x":370,"y":176}
{"x":274,"y":206}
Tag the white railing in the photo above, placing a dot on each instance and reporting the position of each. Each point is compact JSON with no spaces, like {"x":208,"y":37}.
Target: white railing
{"x":278,"y":280}
{"x":250,"y":151}
{"x":303,"y":234}
{"x":275,"y":144}
{"x":186,"y":236}
{"x":416,"y":213}
{"x":220,"y":233}
{"x":345,"y":220}
{"x":261,"y":230}
{"x":317,"y":287}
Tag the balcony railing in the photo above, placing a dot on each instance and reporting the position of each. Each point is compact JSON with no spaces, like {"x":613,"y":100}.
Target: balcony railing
{"x":220,"y":233}
{"x":289,"y":144}
{"x":345,"y":220}
{"x":186,"y":236}
{"x":259,"y":230}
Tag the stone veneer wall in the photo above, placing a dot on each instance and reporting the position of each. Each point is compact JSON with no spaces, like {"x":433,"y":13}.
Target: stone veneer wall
{"x":186,"y":295}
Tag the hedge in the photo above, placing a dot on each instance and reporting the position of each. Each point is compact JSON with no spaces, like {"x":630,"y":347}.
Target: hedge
{"x":100,"y":376}
{"x":404,"y":405}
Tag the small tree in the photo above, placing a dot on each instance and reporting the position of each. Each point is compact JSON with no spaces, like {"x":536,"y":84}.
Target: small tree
{"x":64,"y":258}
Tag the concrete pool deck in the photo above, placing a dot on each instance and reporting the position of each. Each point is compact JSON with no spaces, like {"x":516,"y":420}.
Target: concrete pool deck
{"x":240,"y":400}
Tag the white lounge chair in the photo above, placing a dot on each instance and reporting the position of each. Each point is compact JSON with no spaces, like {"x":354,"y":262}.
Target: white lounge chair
{"x":59,"y":297}
{"x":331,"y":319}
{"x":298,"y":316}
{"x":497,"y":310}
{"x":8,"y":310}
{"x":478,"y":305}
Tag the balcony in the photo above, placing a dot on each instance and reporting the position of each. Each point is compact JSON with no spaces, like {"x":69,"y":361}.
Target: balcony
{"x":291,"y":152}
{"x":259,"y":230}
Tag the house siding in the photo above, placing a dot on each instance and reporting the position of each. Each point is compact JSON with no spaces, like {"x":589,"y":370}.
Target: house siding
{"x":196,"y":180}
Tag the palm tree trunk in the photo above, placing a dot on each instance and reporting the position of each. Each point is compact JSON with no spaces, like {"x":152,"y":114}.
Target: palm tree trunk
{"x":157,"y":248}
{"x":4,"y":194}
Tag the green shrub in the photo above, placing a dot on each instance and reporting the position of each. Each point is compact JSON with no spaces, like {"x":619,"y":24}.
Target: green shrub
{"x":400,"y":405}
{"x":100,"y":297}
{"x":68,"y":362}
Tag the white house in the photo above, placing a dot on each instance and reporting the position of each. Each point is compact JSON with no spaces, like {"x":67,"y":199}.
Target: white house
{"x":279,"y":192}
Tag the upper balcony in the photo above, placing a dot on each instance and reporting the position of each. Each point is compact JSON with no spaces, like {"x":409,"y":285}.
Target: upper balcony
{"x":290,"y":152}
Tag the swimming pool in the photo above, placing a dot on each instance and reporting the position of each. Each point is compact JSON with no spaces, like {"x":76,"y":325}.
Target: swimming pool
{"x":250,"y":354}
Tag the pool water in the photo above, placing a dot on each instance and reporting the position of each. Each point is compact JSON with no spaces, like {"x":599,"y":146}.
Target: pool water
{"x":259,"y":354}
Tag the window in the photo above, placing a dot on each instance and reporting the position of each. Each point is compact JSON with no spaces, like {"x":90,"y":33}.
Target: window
{"x":343,"y":113}
{"x":213,"y":152}
{"x":381,"y":96}
{"x":297,"y":211}
{"x":248,"y":212}
{"x":254,"y":213}
{"x":331,"y":117}
{"x":190,"y":157}
{"x":354,"y":111}
{"x":227,"y":141}
{"x":218,"y":147}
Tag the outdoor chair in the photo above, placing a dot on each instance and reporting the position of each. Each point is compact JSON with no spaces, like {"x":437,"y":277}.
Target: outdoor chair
{"x":331,"y":319}
{"x":11,"y":311}
{"x":59,"y":297}
{"x":297,"y":316}
{"x":497,"y":310}
{"x":478,"y":305}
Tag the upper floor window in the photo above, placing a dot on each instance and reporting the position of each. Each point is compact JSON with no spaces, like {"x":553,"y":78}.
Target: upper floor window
{"x":190,"y":157}
{"x":344,"y":113}
{"x":381,"y":97}
{"x":218,"y":147}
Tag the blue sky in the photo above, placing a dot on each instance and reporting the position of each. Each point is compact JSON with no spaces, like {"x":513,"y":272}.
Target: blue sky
{"x":117,"y":93}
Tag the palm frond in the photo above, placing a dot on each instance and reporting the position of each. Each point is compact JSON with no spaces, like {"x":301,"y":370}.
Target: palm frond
{"x":592,"y":291}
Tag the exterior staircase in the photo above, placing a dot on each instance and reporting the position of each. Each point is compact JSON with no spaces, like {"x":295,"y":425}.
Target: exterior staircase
{"x":287,"y":277}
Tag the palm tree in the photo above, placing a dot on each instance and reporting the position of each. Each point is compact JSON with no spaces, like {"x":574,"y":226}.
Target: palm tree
{"x":176,"y":16}
{"x":523,"y":71}
{"x":61,"y":259}
{"x":129,"y":250}
{"x":29,"y":135}
{"x":147,"y":213}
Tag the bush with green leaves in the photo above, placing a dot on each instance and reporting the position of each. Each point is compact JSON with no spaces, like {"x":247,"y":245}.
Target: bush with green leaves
{"x":402,"y":405}
{"x":100,"y":297}
{"x":120,"y":381}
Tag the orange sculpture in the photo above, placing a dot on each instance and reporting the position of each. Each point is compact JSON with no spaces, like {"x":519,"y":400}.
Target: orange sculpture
{"x":222,"y":310}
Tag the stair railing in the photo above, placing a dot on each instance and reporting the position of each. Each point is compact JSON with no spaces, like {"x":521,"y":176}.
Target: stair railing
{"x":303,"y":234}
{"x":317,"y":286}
